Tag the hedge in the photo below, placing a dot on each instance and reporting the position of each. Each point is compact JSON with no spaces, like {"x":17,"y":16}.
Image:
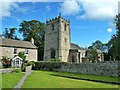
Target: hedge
{"x":47,"y":65}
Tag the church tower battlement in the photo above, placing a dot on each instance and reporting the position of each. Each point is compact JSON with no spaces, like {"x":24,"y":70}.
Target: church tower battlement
{"x":56,"y":19}
{"x":57,"y":39}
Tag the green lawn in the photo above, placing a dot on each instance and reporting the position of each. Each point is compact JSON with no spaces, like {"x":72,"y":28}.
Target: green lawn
{"x":11,"y":79}
{"x":45,"y":79}
{"x":88,"y":76}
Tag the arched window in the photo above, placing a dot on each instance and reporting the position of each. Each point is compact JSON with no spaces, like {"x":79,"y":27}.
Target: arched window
{"x":53,"y":54}
{"x":52,"y":26}
{"x":73,"y":59}
{"x":65,"y":41}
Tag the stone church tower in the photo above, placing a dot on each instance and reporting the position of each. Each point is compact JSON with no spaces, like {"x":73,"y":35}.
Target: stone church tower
{"x":57,"y":39}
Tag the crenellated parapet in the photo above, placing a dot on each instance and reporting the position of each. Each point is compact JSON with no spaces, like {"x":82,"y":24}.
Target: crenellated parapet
{"x":57,"y":19}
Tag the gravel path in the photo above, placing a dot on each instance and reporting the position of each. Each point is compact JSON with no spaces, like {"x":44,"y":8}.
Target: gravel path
{"x":20,"y":83}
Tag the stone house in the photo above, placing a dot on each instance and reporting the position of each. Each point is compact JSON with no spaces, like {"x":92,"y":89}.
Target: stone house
{"x":11,"y":48}
{"x":58,"y":42}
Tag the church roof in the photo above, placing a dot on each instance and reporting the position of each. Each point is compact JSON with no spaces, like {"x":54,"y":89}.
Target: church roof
{"x":16,"y":43}
{"x":74,"y":46}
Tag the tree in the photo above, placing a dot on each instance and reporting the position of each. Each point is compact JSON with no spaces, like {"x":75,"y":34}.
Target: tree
{"x":36,"y":30}
{"x":22,"y":55}
{"x":99,"y":46}
{"x":10,"y":33}
{"x":92,"y":54}
{"x":114,"y":43}
{"x":6,"y":61}
{"x":104,"y":47}
{"x":117,"y":40}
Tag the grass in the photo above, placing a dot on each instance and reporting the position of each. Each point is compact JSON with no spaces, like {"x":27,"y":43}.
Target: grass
{"x":88,"y":76}
{"x":45,"y":79}
{"x":9,"y":80}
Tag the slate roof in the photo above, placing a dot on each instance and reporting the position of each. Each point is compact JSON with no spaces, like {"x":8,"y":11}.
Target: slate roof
{"x":16,"y":43}
{"x":74,"y":46}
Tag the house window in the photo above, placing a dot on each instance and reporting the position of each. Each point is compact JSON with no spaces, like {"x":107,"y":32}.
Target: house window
{"x":26,"y":51}
{"x":15,"y":50}
{"x":52,"y":27}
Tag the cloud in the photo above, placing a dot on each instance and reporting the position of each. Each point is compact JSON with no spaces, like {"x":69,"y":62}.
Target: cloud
{"x":119,"y":7}
{"x":91,"y":9}
{"x":99,"y":9}
{"x":69,"y":7}
{"x":18,"y":19}
{"x":6,"y":8}
{"x":34,"y":0}
{"x":48,"y":8}
{"x":109,"y":30}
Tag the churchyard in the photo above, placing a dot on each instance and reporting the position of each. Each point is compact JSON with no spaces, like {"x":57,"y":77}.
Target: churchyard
{"x":50,"y":79}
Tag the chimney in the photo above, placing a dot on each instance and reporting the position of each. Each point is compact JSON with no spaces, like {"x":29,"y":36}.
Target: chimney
{"x":32,"y":41}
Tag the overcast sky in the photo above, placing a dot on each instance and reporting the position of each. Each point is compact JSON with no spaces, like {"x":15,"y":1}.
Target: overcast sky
{"x":90,"y":20}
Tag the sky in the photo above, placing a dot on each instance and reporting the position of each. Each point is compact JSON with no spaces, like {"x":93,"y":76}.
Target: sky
{"x":90,"y":20}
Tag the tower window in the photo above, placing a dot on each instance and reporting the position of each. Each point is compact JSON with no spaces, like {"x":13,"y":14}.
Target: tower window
{"x":65,"y":26}
{"x":65,"y":40}
{"x":53,"y":54}
{"x":52,"y":27}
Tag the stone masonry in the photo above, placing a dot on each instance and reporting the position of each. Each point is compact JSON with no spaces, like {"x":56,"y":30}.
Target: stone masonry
{"x":57,"y":39}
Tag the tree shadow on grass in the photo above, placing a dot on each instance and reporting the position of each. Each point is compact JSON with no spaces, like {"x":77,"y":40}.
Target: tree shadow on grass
{"x":76,"y":78}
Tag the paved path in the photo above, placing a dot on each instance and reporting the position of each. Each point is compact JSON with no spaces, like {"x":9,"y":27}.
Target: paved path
{"x":20,"y":83}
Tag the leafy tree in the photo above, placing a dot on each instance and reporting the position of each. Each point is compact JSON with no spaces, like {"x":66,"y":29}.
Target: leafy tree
{"x":6,"y":61}
{"x":10,"y":33}
{"x":99,"y":46}
{"x":104,"y":47}
{"x":36,"y":30}
{"x":92,"y":54}
{"x":22,"y":55}
{"x":114,"y":43}
{"x":117,"y":44}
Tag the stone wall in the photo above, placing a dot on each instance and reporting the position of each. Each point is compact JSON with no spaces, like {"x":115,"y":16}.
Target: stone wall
{"x":7,"y":70}
{"x":106,"y":69}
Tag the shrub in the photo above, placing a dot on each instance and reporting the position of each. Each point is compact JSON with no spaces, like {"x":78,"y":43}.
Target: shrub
{"x":30,"y":63}
{"x":23,"y":67}
{"x":16,"y":70}
{"x":47,"y":65}
{"x":6,"y":61}
{"x":55,"y":60}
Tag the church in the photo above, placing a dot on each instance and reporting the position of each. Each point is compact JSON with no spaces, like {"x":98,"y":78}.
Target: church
{"x":58,"y":43}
